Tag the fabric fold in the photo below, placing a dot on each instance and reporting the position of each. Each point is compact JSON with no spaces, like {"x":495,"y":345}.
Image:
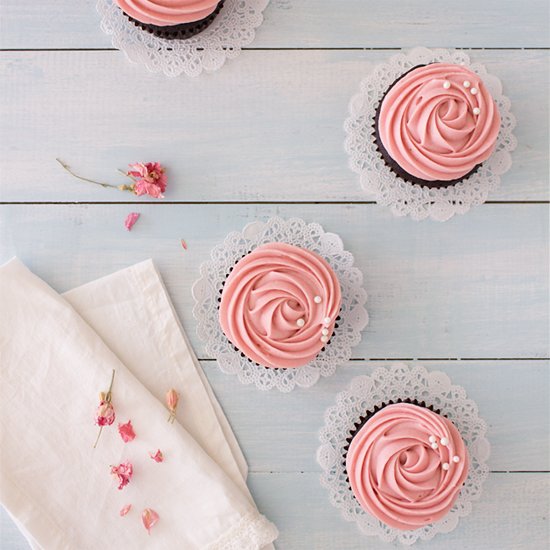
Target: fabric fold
{"x":54,"y":364}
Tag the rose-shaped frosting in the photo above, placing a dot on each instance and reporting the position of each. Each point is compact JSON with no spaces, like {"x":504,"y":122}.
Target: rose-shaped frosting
{"x":438,"y":122}
{"x":279,"y":305}
{"x":406,"y":466}
{"x":167,"y":12}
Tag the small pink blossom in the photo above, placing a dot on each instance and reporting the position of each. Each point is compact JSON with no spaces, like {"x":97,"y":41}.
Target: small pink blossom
{"x":124,"y":473}
{"x":126,"y":431}
{"x":105,"y":414}
{"x":150,"y":179}
{"x":149,"y":518}
{"x":183,"y":244}
{"x":130,"y":220}
{"x":172,"y":398}
{"x":158,"y":456}
{"x":125,"y":510}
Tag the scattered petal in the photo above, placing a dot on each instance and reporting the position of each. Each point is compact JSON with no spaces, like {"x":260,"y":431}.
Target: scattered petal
{"x":149,"y":518}
{"x":158,"y":456}
{"x":126,"y":431}
{"x":130,"y":220}
{"x":184,"y":244}
{"x":124,"y":473}
{"x":125,"y":510}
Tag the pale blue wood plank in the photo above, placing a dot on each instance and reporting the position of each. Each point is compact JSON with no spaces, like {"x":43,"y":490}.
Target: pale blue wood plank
{"x":267,"y":127}
{"x":512,"y":514}
{"x":476,"y":286}
{"x":312,"y":23}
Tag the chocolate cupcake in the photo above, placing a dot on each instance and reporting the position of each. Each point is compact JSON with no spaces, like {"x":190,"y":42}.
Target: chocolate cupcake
{"x":406,"y":464}
{"x":279,"y":305}
{"x":436,"y":125}
{"x":171,"y":18}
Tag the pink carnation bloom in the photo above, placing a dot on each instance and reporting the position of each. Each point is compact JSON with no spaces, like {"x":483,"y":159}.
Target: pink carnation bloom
{"x":126,"y":431}
{"x":105,"y":414}
{"x":124,"y":473}
{"x":150,"y":179}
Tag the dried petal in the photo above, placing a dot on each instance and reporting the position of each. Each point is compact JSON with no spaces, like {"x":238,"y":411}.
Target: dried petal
{"x":184,"y":244}
{"x":158,"y":456}
{"x":130,"y":220}
{"x":124,"y":473}
{"x":126,"y":431}
{"x":125,"y":510}
{"x":149,"y":518}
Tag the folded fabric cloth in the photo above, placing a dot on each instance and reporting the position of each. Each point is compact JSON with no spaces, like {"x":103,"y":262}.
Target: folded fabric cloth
{"x":54,"y":363}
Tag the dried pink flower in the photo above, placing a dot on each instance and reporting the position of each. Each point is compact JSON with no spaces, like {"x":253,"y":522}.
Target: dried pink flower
{"x":105,"y":413}
{"x":183,"y":244}
{"x":172,"y":398}
{"x":130,"y":220}
{"x":150,"y":179}
{"x":124,"y":473}
{"x":158,"y":456}
{"x":149,"y":518}
{"x":125,"y":510}
{"x":126,"y":431}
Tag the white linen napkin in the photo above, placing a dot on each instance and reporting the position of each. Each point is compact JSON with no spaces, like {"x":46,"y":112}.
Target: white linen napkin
{"x":54,"y":362}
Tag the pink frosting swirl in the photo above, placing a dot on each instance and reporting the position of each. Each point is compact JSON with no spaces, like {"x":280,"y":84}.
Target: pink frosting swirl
{"x":439,"y":122}
{"x":402,"y":466}
{"x":279,"y":305}
{"x":167,"y":12}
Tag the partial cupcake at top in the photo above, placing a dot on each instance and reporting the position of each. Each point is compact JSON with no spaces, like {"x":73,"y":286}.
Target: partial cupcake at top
{"x":279,"y":305}
{"x":406,"y":464}
{"x":436,"y":125}
{"x":171,"y":18}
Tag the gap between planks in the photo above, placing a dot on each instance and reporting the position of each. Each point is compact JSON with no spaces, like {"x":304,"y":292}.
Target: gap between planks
{"x":291,"y":48}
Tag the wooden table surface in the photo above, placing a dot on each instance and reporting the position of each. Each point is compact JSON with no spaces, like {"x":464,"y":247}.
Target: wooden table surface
{"x":263,"y":136}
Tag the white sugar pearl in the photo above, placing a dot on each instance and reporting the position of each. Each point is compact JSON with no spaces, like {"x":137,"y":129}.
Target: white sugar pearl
{"x":317,"y":299}
{"x":432,"y":439}
{"x":444,"y":441}
{"x":445,"y":466}
{"x":473,"y":91}
{"x":324,"y":332}
{"x":466,"y":84}
{"x":434,"y":446}
{"x":300,"y":322}
{"x":326,"y":320}
{"x":456,"y":459}
{"x":446,"y":84}
{"x":477,"y":110}
{"x":324,"y":339}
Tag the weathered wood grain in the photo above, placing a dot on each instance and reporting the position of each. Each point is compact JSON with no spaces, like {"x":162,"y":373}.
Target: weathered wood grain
{"x":476,"y":286}
{"x":268,"y":127}
{"x":312,"y":24}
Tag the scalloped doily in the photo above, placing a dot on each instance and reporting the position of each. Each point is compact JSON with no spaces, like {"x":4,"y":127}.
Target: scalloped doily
{"x":400,"y":382}
{"x":353,"y":315}
{"x":390,"y":190}
{"x":233,"y":29}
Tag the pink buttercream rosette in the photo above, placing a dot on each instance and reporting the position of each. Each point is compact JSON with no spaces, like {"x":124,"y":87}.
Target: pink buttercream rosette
{"x":342,"y":317}
{"x":415,"y":200}
{"x":456,"y":422}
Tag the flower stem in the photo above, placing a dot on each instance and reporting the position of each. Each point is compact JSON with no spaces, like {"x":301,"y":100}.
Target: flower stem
{"x":108,"y":397}
{"x":65,"y":167}
{"x":97,"y":439}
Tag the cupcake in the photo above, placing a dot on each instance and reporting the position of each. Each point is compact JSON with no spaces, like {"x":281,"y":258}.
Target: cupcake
{"x":406,"y":464}
{"x":171,"y":18}
{"x":436,"y":125}
{"x":279,"y":305}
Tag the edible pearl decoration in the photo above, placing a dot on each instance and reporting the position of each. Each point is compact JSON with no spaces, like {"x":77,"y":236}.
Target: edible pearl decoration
{"x":324,"y":332}
{"x":432,"y":439}
{"x":466,"y":84}
{"x":434,"y":446}
{"x":473,"y":91}
{"x":326,"y":320}
{"x":300,"y":322}
{"x":477,"y":110}
{"x":446,"y":84}
{"x":445,"y":466}
{"x":317,"y":299}
{"x":444,"y":441}
{"x":324,"y":338}
{"x":456,"y":459}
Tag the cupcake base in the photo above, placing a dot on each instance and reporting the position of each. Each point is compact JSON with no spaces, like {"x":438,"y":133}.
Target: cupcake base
{"x":394,"y":166}
{"x":181,"y":31}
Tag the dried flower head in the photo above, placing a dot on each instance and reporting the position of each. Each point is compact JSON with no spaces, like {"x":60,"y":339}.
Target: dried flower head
{"x":172,"y":398}
{"x":150,"y":179}
{"x":105,"y":413}
{"x":124,"y":473}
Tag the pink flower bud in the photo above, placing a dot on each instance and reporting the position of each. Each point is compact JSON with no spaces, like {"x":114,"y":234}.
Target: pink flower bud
{"x":105,"y":414}
{"x":124,"y":473}
{"x":149,"y":518}
{"x":126,"y":431}
{"x":172,"y":398}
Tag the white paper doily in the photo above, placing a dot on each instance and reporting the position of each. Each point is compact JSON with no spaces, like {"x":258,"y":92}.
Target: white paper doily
{"x":353,"y":315}
{"x":401,"y":382}
{"x":390,"y":190}
{"x":232,"y":29}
